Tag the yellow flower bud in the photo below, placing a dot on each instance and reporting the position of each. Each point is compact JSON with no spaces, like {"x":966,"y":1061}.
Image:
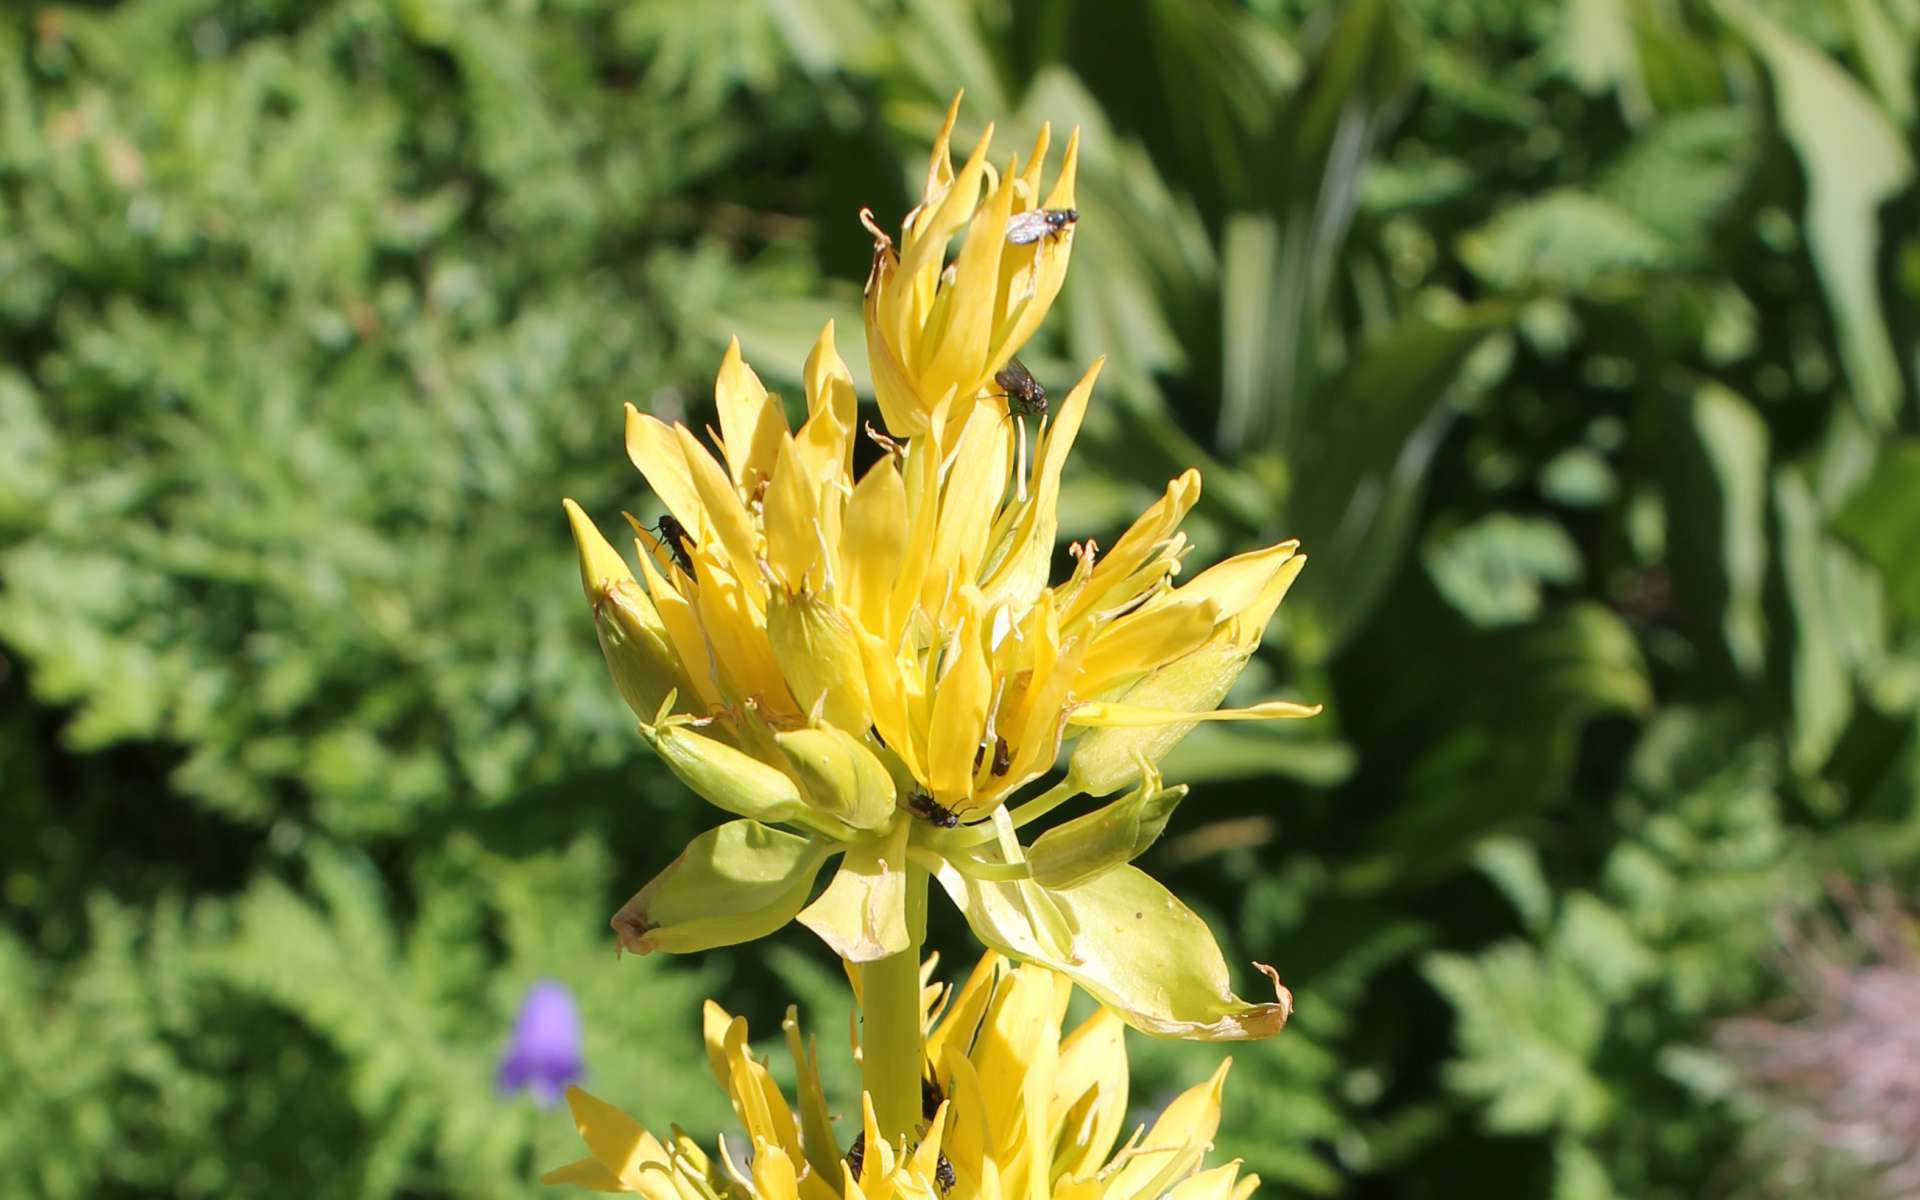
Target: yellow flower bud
{"x":843,"y":778}
{"x":820,"y":657}
{"x":733,"y":780}
{"x":1080,"y":849}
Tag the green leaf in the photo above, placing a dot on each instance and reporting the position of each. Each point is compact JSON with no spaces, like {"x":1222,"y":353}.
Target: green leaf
{"x":1882,"y":522}
{"x":1855,"y":159}
{"x":1526,"y":1032}
{"x":1822,"y":686}
{"x":1717,"y":501}
{"x":1363,"y":469}
{"x":1492,"y":570}
{"x":1564,"y":240}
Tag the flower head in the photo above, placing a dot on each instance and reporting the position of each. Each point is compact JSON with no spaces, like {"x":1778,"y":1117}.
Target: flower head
{"x":880,"y":666}
{"x":543,"y":1055}
{"x":1012,"y":1109}
{"x":1837,"y":1082}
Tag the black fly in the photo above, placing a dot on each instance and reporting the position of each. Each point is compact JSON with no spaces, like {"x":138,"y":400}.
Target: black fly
{"x":931,"y":1098}
{"x":1034,"y":224}
{"x":1024,"y":394}
{"x":935,"y":812}
{"x":674,"y":534}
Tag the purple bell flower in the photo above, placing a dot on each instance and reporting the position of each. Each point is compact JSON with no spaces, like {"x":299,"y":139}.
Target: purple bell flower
{"x":543,"y":1056}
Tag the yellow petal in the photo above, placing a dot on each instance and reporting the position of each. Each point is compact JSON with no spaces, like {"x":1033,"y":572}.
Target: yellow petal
{"x":1136,"y":547}
{"x":1220,"y":1183}
{"x":588,"y":1173}
{"x":1176,"y":1143}
{"x":1090,"y":1087}
{"x":773,"y":1174}
{"x":816,"y":1124}
{"x":959,"y":716}
{"x":819,"y":655}
{"x":1133,"y":716}
{"x":654,"y":448}
{"x":600,"y":564}
{"x":726,"y":514}
{"x":616,"y":1140}
{"x":874,"y":543}
{"x":752,"y":423}
{"x":790,"y":514}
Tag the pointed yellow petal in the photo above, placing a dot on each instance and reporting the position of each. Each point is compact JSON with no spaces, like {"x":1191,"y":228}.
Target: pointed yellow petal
{"x":1132,"y":716}
{"x":1089,"y":1103}
{"x":873,"y":544}
{"x":616,"y":1140}
{"x":655,"y":450}
{"x":752,"y":423}
{"x":816,"y":1124}
{"x":588,"y":1173}
{"x":600,"y":564}
{"x":959,"y":717}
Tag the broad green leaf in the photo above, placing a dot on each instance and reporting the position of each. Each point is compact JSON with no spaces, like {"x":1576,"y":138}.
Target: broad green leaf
{"x":1565,"y":240}
{"x":1822,"y":687}
{"x":1855,"y":159}
{"x":1882,"y":522}
{"x":1133,"y":946}
{"x":1363,"y":470}
{"x":734,"y":883}
{"x":1717,"y":498}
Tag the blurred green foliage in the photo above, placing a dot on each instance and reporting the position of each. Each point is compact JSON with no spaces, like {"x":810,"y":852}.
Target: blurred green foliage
{"x":1576,"y":341}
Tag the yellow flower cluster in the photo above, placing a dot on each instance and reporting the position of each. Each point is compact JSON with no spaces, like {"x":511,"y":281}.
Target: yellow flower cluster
{"x":1014,"y":1110}
{"x":880,"y":663}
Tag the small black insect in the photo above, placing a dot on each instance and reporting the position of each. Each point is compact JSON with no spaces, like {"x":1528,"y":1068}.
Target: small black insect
{"x":1034,"y":224}
{"x":942,"y":1170}
{"x":675,"y":535}
{"x":1002,"y":757}
{"x":935,"y":812}
{"x":1024,"y":394}
{"x":857,"y":1155}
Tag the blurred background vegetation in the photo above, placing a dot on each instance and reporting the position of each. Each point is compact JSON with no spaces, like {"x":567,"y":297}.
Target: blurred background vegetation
{"x":1575,"y":340}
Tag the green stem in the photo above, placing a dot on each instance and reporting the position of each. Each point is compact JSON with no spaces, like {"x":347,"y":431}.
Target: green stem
{"x":890,"y":1047}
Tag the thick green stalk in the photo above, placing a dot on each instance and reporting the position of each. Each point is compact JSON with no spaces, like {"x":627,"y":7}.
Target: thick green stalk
{"x":890,"y":1047}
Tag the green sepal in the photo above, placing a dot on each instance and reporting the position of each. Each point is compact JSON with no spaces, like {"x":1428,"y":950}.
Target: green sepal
{"x":1107,"y":760}
{"x":733,"y":883}
{"x":1134,"y":947}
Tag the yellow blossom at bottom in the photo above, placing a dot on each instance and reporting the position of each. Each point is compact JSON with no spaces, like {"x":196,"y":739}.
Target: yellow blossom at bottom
{"x":1013,"y":1110}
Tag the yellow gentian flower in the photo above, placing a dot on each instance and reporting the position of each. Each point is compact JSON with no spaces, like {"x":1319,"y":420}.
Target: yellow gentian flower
{"x":880,"y":667}
{"x":1010,"y":1109}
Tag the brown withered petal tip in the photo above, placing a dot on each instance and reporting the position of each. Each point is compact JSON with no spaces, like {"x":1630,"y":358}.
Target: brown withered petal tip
{"x":1281,"y":993}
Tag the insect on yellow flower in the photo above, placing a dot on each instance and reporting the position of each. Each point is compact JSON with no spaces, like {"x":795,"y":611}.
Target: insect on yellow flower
{"x":1013,"y":1109}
